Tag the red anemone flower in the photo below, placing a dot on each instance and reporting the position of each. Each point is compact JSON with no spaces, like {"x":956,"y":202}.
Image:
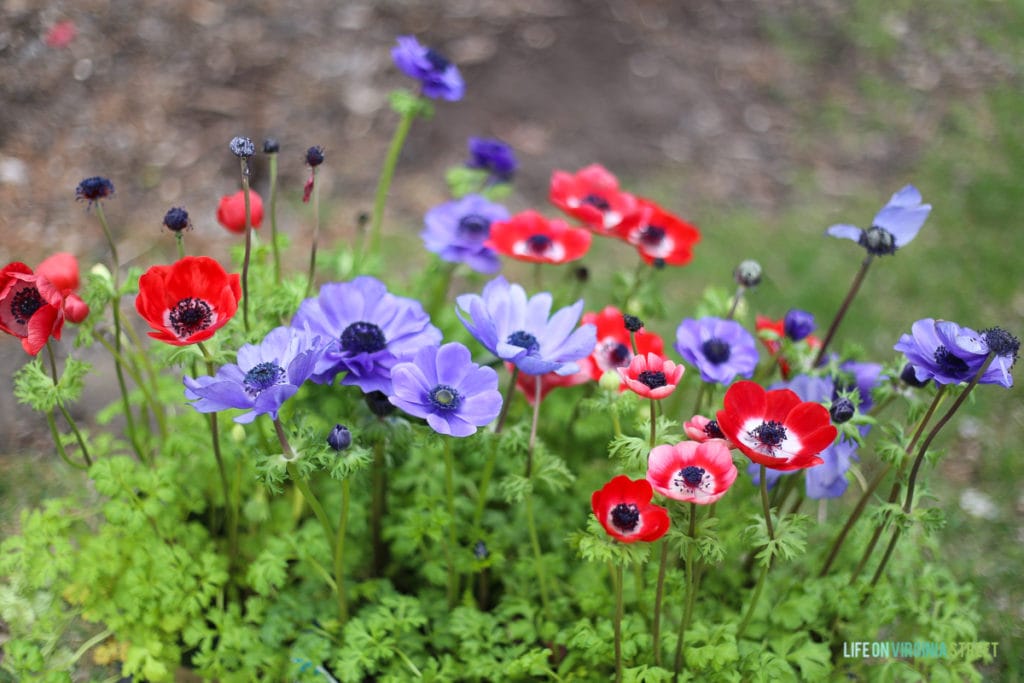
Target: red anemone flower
{"x":771,"y":333}
{"x":593,"y":196}
{"x":701,"y":429}
{"x":529,"y":236}
{"x":692,"y":472}
{"x":549,"y":381}
{"x":188,"y":301}
{"x":231,"y":210}
{"x":34,"y":305}
{"x":775,"y":428}
{"x":658,"y":235}
{"x":624,"y":508}
{"x":651,"y":376}
{"x":613,"y":349}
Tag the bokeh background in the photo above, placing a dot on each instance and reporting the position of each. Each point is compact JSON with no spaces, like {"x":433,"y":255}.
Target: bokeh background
{"x":762,"y":123}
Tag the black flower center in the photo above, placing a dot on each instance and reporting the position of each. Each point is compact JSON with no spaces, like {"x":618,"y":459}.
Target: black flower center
{"x":190,"y":315}
{"x":653,"y":380}
{"x":538,"y":244}
{"x":713,"y":430}
{"x":771,"y":434}
{"x":596,"y":201}
{"x":445,"y":398}
{"x":363,"y":337}
{"x":878,"y":241}
{"x":950,"y":364}
{"x":25,"y":303}
{"x":474,"y":226}
{"x":690,"y":477}
{"x":625,"y":516}
{"x":1001,"y":342}
{"x":262,"y":377}
{"x":716,"y":350}
{"x":619,"y":355}
{"x":437,"y":60}
{"x":652,"y":236}
{"x":523,"y":340}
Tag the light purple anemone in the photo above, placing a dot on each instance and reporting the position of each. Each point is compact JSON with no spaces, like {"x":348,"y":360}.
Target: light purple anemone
{"x":264,"y":377}
{"x":523,"y":332}
{"x":439,"y":78}
{"x":949,"y":354}
{"x":720,"y":349}
{"x":456,"y":232}
{"x":371,"y":329}
{"x":893,"y":227}
{"x":445,"y":387}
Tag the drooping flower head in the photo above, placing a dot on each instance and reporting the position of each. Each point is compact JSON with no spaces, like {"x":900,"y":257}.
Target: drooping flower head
{"x":775,"y":428}
{"x":659,"y":235}
{"x":893,"y":227}
{"x":624,"y":508}
{"x":372,"y":330}
{"x":720,"y":349}
{"x":187,"y":301}
{"x":231,"y":211}
{"x":439,"y":78}
{"x":529,"y":236}
{"x":263,"y":378}
{"x":523,"y":331}
{"x":592,"y":195}
{"x":614,"y":349}
{"x":458,"y":231}
{"x":493,"y":156}
{"x":651,"y":376}
{"x":692,"y":472}
{"x":445,"y":387}
{"x":94,"y":189}
{"x":34,"y":305}
{"x":943,"y":351}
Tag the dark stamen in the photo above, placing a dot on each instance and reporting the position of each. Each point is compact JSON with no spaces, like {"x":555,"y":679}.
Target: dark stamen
{"x":653,"y":380}
{"x":363,"y":337}
{"x":25,"y":303}
{"x":690,"y":477}
{"x":625,"y":516}
{"x":473,"y":226}
{"x":951,"y":364}
{"x":189,"y":316}
{"x":713,"y":430}
{"x":771,"y":434}
{"x":716,"y":350}
{"x":445,"y":398}
{"x":878,"y":241}
{"x":262,"y":377}
{"x":596,"y":201}
{"x":523,"y":340}
{"x":652,"y":236}
{"x":538,"y":244}
{"x":437,"y":60}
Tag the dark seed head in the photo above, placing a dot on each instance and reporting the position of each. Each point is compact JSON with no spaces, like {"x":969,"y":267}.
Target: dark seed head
{"x":652,"y":236}
{"x":596,"y":201}
{"x":271,"y":146}
{"x":632,"y":323}
{"x":625,"y":516}
{"x":748,"y":273}
{"x":176,"y":220}
{"x":94,"y":189}
{"x":242,"y":147}
{"x":842,"y":410}
{"x":315,"y":156}
{"x":878,"y":241}
{"x":1001,"y":342}
{"x":538,"y":244}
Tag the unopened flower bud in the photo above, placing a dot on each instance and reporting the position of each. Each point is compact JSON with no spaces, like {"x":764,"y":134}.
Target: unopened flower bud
{"x":176,"y":220}
{"x":242,"y":147}
{"x":271,"y":146}
{"x":632,"y":323}
{"x":909,"y":376}
{"x":842,"y":410}
{"x":610,"y":380}
{"x":748,"y":273}
{"x":480,"y":550}
{"x":315,"y":156}
{"x":798,"y":324}
{"x":340,"y":438}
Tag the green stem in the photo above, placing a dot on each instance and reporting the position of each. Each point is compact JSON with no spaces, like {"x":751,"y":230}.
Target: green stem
{"x":698,"y":403}
{"x":147,"y":391}
{"x":843,"y":308}
{"x":378,"y":508}
{"x":764,"y":503}
{"x":538,"y":559}
{"x":481,"y":491}
{"x":767,"y":561}
{"x":179,"y":240}
{"x":735,"y":302}
{"x":248,"y":242}
{"x":449,"y":487}
{"x":52,"y":422}
{"x":386,"y":176}
{"x":617,"y":574}
{"x":659,"y":593}
{"x":509,"y":391}
{"x":64,"y":411}
{"x":89,"y":644}
{"x":691,"y":593}
{"x":316,"y":233}
{"x":225,"y":486}
{"x":339,"y":553}
{"x":533,"y":426}
{"x":273,"y":218}
{"x":654,"y":415}
{"x":303,"y":486}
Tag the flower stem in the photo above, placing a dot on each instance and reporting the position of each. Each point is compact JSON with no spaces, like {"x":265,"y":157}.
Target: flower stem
{"x":767,"y":561}
{"x":273,"y":217}
{"x":735,"y":302}
{"x":65,"y":413}
{"x":843,"y":308}
{"x":654,"y":415}
{"x":481,"y":490}
{"x":449,"y":487}
{"x":659,"y":594}
{"x":248,"y":242}
{"x":386,"y":176}
{"x":303,"y":486}
{"x":339,"y":553}
{"x":533,"y":426}
{"x":316,"y":232}
{"x":764,"y":503}
{"x":617,"y":578}
{"x":691,"y":592}
{"x":538,"y":559}
{"x":52,"y":422}
{"x":507,"y":400}
{"x":919,"y":460}
{"x":378,"y":508}
{"x":225,"y":487}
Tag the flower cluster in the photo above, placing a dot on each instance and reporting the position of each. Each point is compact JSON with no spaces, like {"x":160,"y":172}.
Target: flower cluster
{"x":35,"y":304}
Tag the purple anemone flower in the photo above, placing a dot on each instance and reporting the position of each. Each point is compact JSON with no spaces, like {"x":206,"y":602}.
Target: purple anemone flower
{"x":264,"y":377}
{"x":456,"y":231}
{"x":371,"y":329}
{"x":445,"y":387}
{"x":493,"y":156}
{"x":798,"y":324}
{"x":946,"y":352}
{"x":523,"y":332}
{"x":1006,"y":348}
{"x":720,"y":349}
{"x":866,"y":377}
{"x":893,"y":227}
{"x":439,"y":78}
